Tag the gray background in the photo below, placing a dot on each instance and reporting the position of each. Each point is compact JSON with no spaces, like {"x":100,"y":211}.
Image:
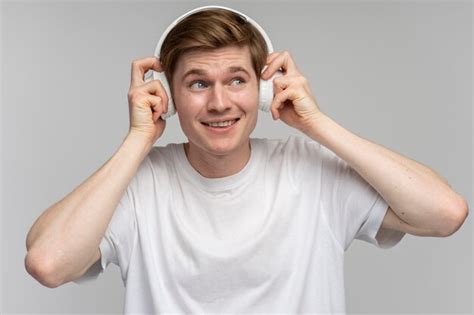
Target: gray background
{"x":396,"y":73}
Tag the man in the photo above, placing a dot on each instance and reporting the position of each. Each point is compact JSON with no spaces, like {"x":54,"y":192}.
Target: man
{"x":225,"y":222}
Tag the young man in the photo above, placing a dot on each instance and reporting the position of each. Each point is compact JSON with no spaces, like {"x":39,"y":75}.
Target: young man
{"x":225,"y":222}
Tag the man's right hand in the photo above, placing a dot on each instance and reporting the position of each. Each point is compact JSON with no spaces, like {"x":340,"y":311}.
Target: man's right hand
{"x":147,"y":101}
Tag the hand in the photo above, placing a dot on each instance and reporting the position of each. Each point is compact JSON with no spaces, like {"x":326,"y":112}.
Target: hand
{"x":293,"y":101}
{"x":147,"y":101}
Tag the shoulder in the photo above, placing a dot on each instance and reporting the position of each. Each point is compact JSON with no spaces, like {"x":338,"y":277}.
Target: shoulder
{"x":297,"y":156}
{"x":158,"y":161}
{"x":293,"y":145}
{"x":295,"y":150}
{"x":164,"y":152}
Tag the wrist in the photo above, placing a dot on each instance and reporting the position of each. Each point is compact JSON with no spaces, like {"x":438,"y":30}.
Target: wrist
{"x":314,"y":123}
{"x":138,"y":142}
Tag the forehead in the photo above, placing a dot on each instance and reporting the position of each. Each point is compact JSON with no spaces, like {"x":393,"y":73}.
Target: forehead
{"x":215,"y":60}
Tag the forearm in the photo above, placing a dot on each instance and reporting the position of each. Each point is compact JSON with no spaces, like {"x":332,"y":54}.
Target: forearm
{"x":418,"y":195}
{"x":66,"y":236}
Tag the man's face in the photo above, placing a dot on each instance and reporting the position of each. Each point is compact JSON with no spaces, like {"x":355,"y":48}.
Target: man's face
{"x":216,"y":86}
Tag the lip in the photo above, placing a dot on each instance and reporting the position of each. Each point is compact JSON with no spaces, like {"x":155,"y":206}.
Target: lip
{"x":220,"y":130}
{"x":222,"y":120}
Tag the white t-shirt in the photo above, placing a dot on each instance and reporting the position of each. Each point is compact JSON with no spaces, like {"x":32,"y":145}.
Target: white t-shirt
{"x":269,"y":239}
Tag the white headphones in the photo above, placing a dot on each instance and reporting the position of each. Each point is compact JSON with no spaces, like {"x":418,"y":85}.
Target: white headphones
{"x":266,"y":86}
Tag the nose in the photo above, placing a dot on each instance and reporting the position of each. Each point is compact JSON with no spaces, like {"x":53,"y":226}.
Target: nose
{"x":218,"y":99}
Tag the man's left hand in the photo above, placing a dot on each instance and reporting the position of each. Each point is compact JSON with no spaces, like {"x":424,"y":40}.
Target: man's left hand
{"x":293,"y":101}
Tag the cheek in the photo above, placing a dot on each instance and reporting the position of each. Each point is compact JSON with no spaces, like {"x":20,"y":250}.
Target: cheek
{"x":187,"y":104}
{"x":247,"y":99}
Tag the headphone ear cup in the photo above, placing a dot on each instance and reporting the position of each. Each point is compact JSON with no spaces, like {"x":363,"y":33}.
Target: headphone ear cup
{"x":266,"y":92}
{"x":155,"y":75}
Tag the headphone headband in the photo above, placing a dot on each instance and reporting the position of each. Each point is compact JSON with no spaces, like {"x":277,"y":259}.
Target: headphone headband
{"x":182,"y":17}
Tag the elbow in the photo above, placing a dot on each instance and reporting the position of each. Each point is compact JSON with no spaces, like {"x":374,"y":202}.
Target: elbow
{"x":458,"y":215}
{"x":42,"y":270}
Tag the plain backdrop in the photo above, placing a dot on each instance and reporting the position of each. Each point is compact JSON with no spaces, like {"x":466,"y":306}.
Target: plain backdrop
{"x":396,"y":73}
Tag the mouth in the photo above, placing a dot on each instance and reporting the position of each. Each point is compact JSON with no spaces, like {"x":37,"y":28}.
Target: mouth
{"x":221,"y":126}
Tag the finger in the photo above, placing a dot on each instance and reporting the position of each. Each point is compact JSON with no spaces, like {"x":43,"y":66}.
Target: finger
{"x":281,"y":99}
{"x":281,"y":83}
{"x":287,"y":63}
{"x":286,"y":81}
{"x":272,"y":56}
{"x":140,"y":67}
{"x":155,"y":104}
{"x":155,"y":87}
{"x":279,"y":102}
{"x":157,"y":118}
{"x":266,"y":69}
{"x":283,"y":61}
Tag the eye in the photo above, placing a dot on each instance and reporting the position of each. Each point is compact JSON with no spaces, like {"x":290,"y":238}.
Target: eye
{"x":198,"y":85}
{"x":239,"y":80}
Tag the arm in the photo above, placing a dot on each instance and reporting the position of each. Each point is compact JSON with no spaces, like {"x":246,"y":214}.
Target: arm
{"x":420,"y":201}
{"x":64,"y":241}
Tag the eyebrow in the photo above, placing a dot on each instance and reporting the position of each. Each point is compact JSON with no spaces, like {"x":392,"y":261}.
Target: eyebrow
{"x":197,"y":71}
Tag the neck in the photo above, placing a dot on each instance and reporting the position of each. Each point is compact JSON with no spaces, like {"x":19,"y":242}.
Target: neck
{"x":215,"y":166}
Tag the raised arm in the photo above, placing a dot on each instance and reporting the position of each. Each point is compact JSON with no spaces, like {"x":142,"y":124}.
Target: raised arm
{"x":64,"y":241}
{"x":421,"y":202}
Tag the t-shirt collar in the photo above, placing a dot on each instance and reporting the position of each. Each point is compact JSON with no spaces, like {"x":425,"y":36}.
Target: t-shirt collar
{"x":216,"y":184}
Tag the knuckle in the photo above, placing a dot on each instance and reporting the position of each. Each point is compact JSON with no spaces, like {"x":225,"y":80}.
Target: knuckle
{"x":133,"y":99}
{"x":283,"y":81}
{"x":133,"y":95}
{"x":158,"y":84}
{"x":276,"y":81}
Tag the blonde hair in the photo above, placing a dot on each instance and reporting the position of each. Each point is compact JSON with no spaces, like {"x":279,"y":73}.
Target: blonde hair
{"x":212,"y":29}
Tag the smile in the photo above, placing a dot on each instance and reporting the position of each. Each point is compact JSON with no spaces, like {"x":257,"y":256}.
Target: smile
{"x":221,"y":124}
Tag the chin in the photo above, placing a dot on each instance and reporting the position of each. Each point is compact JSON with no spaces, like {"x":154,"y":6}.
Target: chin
{"x":221,"y":146}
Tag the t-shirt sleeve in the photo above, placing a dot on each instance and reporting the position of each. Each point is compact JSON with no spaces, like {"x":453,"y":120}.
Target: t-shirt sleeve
{"x":351,"y":206}
{"x":117,"y":243}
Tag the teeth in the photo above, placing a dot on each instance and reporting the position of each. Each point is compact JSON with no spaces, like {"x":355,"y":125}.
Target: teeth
{"x":222,"y":123}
